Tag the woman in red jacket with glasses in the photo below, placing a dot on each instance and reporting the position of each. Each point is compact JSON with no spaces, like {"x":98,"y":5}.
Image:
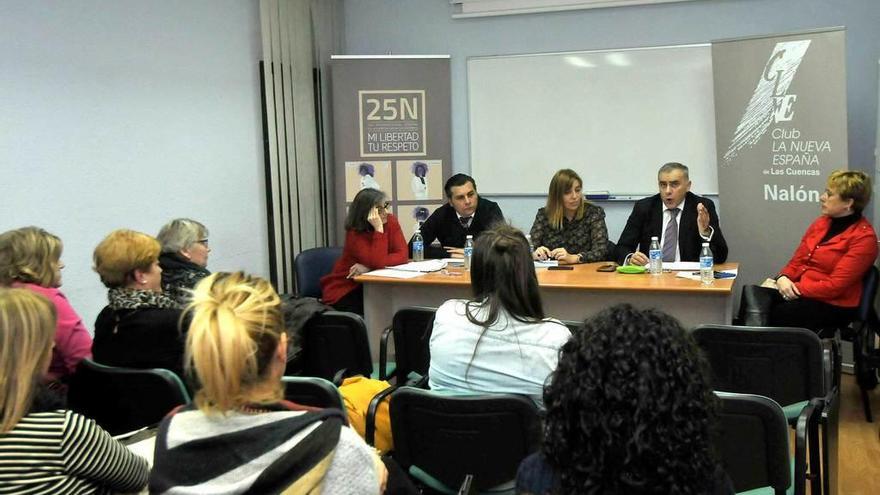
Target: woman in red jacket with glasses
{"x":373,"y":239}
{"x":821,"y":285}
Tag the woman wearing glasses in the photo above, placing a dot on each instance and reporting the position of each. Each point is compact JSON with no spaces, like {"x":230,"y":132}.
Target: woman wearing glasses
{"x":184,"y":257}
{"x":373,"y":239}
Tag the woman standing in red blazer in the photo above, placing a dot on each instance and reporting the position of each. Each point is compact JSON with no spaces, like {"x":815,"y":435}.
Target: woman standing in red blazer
{"x":373,"y":239}
{"x":822,"y":283}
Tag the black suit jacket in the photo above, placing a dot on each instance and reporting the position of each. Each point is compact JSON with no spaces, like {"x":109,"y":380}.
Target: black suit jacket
{"x":646,"y":220}
{"x":444,"y":225}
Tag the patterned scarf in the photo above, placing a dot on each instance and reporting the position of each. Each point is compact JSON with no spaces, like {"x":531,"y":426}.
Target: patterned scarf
{"x":125,"y":298}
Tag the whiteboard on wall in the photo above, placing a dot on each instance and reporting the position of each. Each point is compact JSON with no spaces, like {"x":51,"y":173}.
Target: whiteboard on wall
{"x":614,"y":116}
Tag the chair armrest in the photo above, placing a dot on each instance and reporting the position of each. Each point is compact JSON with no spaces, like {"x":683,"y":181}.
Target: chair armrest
{"x":370,"y":426}
{"x":339,"y":377}
{"x":383,"y":353}
{"x":421,"y":383}
{"x":805,"y":421}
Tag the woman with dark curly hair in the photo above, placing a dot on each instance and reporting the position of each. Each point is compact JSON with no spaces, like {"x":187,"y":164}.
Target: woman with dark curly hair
{"x":629,"y":411}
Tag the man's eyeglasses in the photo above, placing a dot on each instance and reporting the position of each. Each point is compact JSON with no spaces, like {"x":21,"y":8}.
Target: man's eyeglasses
{"x":384,"y":206}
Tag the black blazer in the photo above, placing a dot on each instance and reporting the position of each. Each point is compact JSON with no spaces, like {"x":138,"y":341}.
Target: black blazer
{"x":444,"y":225}
{"x":646,"y":220}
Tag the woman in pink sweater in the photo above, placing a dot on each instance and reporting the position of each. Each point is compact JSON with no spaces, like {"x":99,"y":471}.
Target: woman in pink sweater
{"x":30,"y":258}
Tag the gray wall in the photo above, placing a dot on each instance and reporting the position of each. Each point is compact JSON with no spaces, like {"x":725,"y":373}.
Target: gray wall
{"x":126,"y":113}
{"x":425,"y":27}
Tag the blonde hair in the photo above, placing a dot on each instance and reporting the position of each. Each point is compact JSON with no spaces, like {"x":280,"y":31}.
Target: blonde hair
{"x":27,"y":327}
{"x":852,"y":184}
{"x":560,"y":184}
{"x":121,"y":253}
{"x":180,"y":234}
{"x":29,"y":254}
{"x":236,"y":326}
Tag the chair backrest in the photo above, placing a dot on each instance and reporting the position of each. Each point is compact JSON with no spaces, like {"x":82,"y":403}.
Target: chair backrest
{"x":124,"y":399}
{"x":752,"y":440}
{"x":784,"y":364}
{"x":449,"y":437}
{"x":312,"y":264}
{"x":573,"y":326}
{"x":336,"y":340}
{"x":411,"y":328}
{"x":312,"y":391}
{"x":869,"y":293}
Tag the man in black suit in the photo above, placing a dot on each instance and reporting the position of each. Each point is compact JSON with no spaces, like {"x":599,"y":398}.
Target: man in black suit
{"x":694,"y":217}
{"x":465,"y":213}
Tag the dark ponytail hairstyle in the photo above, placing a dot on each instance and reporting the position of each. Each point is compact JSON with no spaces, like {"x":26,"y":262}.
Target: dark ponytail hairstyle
{"x":503,"y":277}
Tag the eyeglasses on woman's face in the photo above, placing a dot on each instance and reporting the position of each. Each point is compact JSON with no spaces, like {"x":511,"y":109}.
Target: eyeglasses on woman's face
{"x":384,"y":206}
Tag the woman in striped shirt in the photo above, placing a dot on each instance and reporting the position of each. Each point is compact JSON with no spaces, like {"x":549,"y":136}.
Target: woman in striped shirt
{"x":45,"y":449}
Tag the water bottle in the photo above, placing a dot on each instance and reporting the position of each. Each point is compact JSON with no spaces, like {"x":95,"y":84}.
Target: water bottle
{"x":707,"y":265}
{"x":655,"y":255}
{"x":468,"y":252}
{"x":418,"y":246}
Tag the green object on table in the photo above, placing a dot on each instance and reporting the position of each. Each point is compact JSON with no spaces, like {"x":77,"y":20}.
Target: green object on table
{"x":631,"y":269}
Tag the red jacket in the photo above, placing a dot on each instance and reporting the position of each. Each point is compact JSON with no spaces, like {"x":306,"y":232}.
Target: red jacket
{"x":832,"y":272}
{"x":371,"y":249}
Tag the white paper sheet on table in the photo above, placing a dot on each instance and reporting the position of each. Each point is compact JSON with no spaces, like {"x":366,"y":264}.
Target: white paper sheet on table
{"x":675,"y":266}
{"x":545,"y":264}
{"x":421,"y":266}
{"x":390,"y":273}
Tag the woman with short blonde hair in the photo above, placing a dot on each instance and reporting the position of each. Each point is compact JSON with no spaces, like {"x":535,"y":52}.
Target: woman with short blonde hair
{"x":237,"y":350}
{"x":569,"y":229}
{"x":141,"y":326}
{"x":46,"y":449}
{"x":821,"y":285}
{"x":30,"y":258}
{"x":184,"y":257}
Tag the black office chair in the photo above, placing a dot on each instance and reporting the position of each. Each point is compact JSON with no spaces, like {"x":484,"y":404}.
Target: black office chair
{"x":336,"y":347}
{"x":121,"y":400}
{"x":411,"y":329}
{"x":752,"y":440}
{"x":440,"y":439}
{"x":312,"y":391}
{"x":312,"y":264}
{"x":863,"y":332}
{"x":784,"y":364}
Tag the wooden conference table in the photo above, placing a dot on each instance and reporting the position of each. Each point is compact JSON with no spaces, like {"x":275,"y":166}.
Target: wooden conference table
{"x":566,"y":294}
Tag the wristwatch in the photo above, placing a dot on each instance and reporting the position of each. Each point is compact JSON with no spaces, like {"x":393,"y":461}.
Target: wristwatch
{"x":580,"y":257}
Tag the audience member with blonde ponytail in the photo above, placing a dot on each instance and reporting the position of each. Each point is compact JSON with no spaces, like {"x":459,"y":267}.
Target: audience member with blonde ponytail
{"x":241,"y":436}
{"x":45,"y":448}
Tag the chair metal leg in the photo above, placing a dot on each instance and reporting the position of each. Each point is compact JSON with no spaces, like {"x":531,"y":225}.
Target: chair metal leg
{"x":866,"y":404}
{"x":830,"y":420}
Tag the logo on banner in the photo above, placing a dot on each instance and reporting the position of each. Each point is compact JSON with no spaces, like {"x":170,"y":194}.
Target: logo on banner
{"x":771,"y":103}
{"x":392,"y":123}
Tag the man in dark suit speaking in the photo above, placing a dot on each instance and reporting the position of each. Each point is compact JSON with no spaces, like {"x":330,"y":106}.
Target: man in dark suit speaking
{"x":680,"y":219}
{"x":464,"y":213}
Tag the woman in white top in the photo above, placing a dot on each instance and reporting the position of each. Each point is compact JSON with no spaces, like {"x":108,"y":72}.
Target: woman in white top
{"x":500,"y":341}
{"x":419,"y":181}
{"x":368,"y":176}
